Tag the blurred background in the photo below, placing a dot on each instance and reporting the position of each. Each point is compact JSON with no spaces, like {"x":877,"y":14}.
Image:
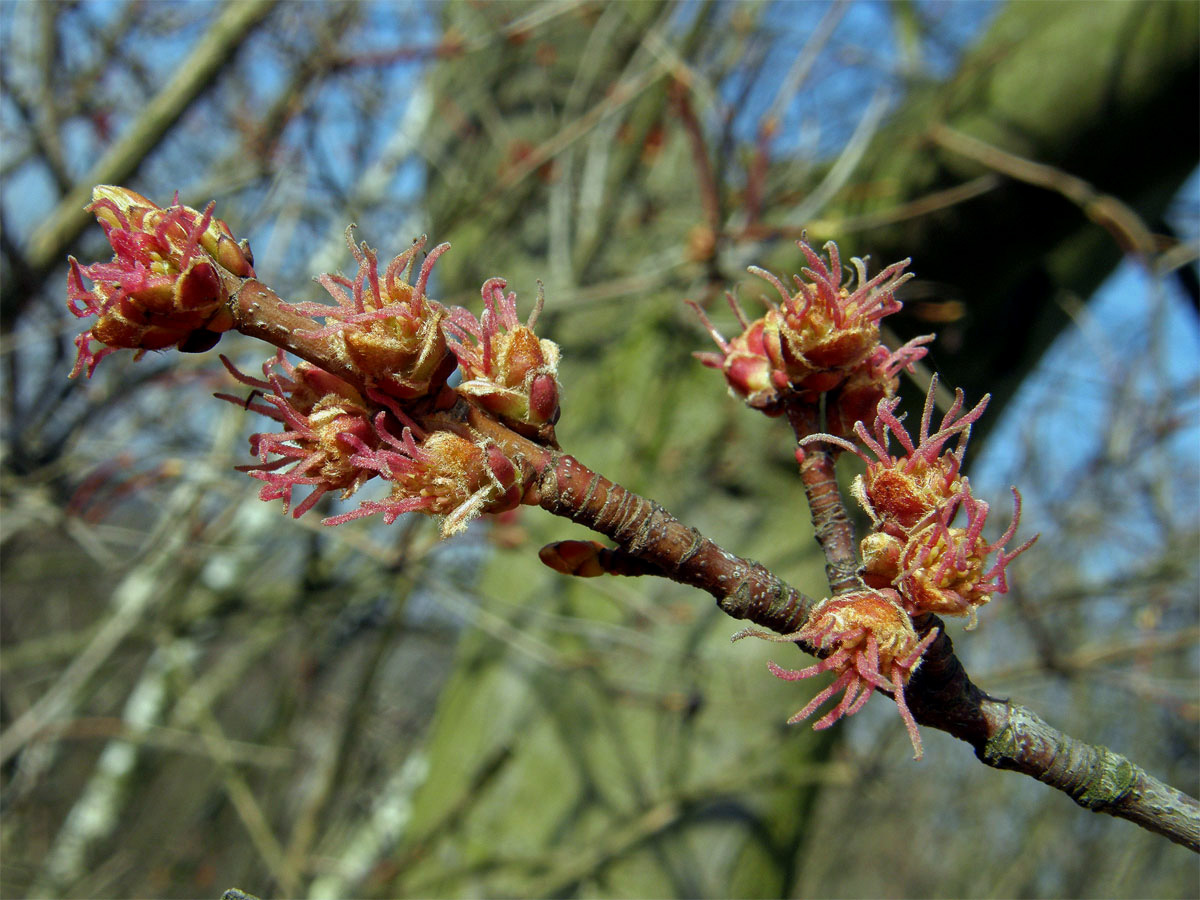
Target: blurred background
{"x":199,"y":693}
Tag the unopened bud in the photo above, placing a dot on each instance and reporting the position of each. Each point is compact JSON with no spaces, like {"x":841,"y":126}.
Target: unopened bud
{"x":164,"y":283}
{"x":511,"y":371}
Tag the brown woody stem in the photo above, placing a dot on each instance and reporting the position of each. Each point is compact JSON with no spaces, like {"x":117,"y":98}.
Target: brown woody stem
{"x":566,"y":487}
{"x":830,"y":521}
{"x":1006,"y":735}
{"x":260,"y":313}
{"x":744,"y":589}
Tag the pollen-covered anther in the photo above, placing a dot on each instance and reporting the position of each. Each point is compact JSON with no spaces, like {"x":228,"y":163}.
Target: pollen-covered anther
{"x":505,"y":365}
{"x":827,"y":328}
{"x":869,"y":644}
{"x":165,"y":285}
{"x":905,"y":492}
{"x":326,"y":422}
{"x":944,"y":569}
{"x":441,"y":473}
{"x":389,"y":329}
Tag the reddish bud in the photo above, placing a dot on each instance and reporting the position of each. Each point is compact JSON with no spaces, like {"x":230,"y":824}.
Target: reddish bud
{"x":505,"y":365}
{"x":589,"y":559}
{"x":881,"y":559}
{"x":578,"y":558}
{"x":745,"y":360}
{"x":164,"y":282}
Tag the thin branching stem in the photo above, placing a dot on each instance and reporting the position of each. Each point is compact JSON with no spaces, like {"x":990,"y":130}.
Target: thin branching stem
{"x":834,"y":531}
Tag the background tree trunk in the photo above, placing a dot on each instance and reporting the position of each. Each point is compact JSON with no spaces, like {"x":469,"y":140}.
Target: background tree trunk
{"x":1106,"y":92}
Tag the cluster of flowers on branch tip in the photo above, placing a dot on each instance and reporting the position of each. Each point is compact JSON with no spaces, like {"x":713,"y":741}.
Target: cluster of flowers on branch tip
{"x":913,"y":500}
{"x":164,"y":285}
{"x":173,"y":281}
{"x":870,"y":644}
{"x":823,"y":342}
{"x":823,"y":338}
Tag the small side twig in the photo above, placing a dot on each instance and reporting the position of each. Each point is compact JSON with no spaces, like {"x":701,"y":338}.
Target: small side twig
{"x":834,"y":531}
{"x":1125,"y":225}
{"x":710,"y":195}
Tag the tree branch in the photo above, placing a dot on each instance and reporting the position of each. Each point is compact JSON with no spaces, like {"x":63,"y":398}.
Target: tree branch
{"x":1006,"y":735}
{"x":941,"y":695}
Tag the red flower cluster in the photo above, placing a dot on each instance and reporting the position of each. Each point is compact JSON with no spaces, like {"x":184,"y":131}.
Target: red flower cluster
{"x":388,"y":328}
{"x":443,"y":474}
{"x":913,"y":500}
{"x":824,"y":338}
{"x":164,"y":285}
{"x":823,"y":341}
{"x":320,"y":414}
{"x":915,"y":561}
{"x":870,"y":644}
{"x":169,"y":284}
{"x":335,"y":440}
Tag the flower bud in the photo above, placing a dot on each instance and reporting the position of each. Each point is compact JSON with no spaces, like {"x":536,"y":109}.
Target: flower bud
{"x":589,"y":559}
{"x":505,"y":365}
{"x":746,"y":360}
{"x":579,"y":558}
{"x":881,"y":559}
{"x":164,"y":283}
